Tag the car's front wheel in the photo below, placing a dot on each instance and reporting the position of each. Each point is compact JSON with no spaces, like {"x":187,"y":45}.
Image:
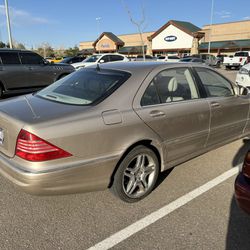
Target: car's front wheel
{"x":136,"y":175}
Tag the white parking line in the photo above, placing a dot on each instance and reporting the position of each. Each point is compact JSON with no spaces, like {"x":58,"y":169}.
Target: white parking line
{"x":162,"y":212}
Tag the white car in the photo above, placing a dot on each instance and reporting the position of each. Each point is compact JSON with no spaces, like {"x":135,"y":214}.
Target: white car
{"x":243,"y":76}
{"x":168,"y":58}
{"x":100,"y":58}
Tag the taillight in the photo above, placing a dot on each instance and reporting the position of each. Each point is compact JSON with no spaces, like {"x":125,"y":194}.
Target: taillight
{"x":32,"y":148}
{"x":241,"y":59}
{"x":246,"y":165}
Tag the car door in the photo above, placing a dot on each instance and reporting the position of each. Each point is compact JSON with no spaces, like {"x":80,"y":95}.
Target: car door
{"x":12,"y":74}
{"x":229,"y":111}
{"x":171,"y":105}
{"x":39,"y":74}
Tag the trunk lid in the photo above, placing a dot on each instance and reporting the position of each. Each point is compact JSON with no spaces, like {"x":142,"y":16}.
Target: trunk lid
{"x":15,"y":113}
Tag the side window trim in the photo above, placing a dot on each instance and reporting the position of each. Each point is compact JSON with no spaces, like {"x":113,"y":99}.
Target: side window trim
{"x":201,"y":88}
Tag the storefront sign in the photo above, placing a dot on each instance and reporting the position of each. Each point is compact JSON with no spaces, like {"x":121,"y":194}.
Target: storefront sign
{"x":105,"y":45}
{"x":170,"y":38}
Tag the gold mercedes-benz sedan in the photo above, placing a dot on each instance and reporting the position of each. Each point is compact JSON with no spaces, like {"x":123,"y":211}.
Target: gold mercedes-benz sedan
{"x":118,"y":126}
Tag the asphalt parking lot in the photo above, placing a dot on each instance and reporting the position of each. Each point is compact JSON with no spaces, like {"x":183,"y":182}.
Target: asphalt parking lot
{"x":192,"y":208}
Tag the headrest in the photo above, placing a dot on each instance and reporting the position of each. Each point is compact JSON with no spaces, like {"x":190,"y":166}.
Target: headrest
{"x":172,"y":85}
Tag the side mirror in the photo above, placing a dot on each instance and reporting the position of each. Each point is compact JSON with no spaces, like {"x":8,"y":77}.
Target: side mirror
{"x":45,"y":62}
{"x":101,"y":61}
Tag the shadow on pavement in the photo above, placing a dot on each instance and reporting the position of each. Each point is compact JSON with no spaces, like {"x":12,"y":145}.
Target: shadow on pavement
{"x":238,"y":234}
{"x":240,"y":155}
{"x":162,"y":176}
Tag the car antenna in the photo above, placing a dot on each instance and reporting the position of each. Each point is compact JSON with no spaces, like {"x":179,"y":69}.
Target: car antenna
{"x":98,"y":67}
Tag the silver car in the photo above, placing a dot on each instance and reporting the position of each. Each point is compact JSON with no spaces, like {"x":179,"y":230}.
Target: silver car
{"x":117,"y":126}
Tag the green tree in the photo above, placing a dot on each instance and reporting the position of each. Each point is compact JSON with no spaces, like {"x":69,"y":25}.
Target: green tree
{"x":2,"y":45}
{"x":71,"y":51}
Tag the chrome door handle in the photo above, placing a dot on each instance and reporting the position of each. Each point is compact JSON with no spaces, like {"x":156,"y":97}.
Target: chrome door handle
{"x":215,"y":105}
{"x":30,"y":68}
{"x":157,"y":113}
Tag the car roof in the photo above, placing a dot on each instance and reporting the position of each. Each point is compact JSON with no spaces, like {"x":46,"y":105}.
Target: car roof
{"x":103,"y":54}
{"x":14,"y":50}
{"x":147,"y":66}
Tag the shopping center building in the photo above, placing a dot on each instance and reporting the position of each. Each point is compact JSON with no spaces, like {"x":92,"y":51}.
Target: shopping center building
{"x":130,"y":44}
{"x":175,"y":37}
{"x":226,"y":38}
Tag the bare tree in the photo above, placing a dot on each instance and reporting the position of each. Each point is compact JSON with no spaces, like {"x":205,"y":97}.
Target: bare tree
{"x":140,"y":24}
{"x":45,"y":50}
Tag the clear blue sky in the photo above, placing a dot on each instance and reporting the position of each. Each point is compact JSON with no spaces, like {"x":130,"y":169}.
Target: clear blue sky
{"x":66,"y":23}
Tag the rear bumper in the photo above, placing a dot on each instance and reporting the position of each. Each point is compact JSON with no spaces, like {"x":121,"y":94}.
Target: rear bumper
{"x":242,"y":192}
{"x":231,"y":64}
{"x":84,"y":177}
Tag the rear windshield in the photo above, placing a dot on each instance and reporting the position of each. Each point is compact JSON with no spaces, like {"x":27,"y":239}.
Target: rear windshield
{"x":84,"y":87}
{"x":186,"y":60}
{"x":173,"y":57}
{"x":244,"y":54}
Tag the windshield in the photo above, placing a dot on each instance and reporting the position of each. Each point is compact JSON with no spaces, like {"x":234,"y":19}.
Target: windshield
{"x":93,"y":58}
{"x":84,"y":87}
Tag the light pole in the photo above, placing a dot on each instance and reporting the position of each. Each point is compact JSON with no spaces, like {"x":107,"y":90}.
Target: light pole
{"x":8,"y":23}
{"x":210,"y":31}
{"x":98,"y":19}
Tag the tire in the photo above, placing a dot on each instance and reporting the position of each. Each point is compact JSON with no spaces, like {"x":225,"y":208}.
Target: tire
{"x":136,"y":175}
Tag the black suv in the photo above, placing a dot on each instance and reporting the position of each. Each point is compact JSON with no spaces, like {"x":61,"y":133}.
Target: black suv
{"x":23,"y":71}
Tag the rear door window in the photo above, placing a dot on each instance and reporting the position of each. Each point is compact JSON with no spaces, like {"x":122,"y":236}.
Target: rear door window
{"x":171,"y":85}
{"x":30,"y":58}
{"x":114,"y":58}
{"x":9,"y":58}
{"x":105,"y":58}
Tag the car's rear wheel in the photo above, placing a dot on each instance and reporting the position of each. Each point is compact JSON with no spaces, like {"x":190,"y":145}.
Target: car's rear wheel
{"x":136,"y":175}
